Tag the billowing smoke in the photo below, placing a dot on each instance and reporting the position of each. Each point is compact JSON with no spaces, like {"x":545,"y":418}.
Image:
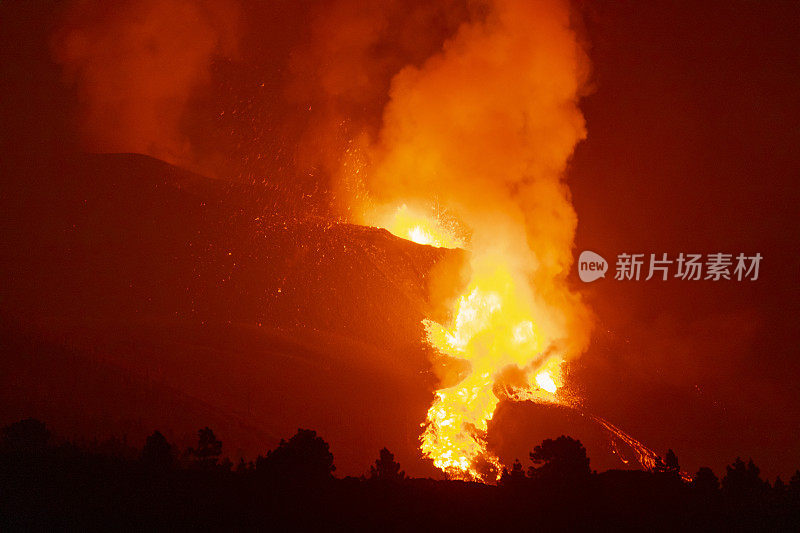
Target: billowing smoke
{"x":483,"y":131}
{"x":487,"y":127}
{"x":341,"y":73}
{"x":137,"y":64}
{"x":449,"y":123}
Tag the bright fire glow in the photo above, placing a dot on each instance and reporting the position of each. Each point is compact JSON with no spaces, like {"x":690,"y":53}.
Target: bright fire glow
{"x":493,"y":328}
{"x":495,"y":325}
{"x":485,"y":129}
{"x":545,"y":381}
{"x":415,"y":225}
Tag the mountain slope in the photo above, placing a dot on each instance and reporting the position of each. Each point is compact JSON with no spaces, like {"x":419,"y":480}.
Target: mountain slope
{"x":140,"y":295}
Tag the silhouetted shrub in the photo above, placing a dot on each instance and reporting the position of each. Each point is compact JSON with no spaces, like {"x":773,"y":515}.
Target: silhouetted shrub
{"x":386,"y":468}
{"x":303,"y":458}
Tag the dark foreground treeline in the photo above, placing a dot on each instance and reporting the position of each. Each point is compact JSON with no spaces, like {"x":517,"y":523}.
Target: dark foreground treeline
{"x":47,"y":485}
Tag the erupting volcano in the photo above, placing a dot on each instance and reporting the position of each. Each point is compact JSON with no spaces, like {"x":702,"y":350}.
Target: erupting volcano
{"x":476,"y":141}
{"x":361,"y":219}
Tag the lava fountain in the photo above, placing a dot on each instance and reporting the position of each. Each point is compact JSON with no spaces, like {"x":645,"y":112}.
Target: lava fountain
{"x":472,"y":151}
{"x":503,"y":329}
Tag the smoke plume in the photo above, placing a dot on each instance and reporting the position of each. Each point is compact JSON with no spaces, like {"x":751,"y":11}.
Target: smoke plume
{"x":486,"y":128}
{"x":483,"y":131}
{"x":136,"y":64}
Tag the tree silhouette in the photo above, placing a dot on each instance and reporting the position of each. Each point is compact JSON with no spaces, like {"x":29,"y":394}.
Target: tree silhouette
{"x":303,"y":458}
{"x":671,"y":462}
{"x":26,"y":435}
{"x":386,"y":468}
{"x":743,"y":480}
{"x":208,"y":448}
{"x":669,"y":465}
{"x":157,"y":451}
{"x":794,"y":484}
{"x":562,"y":459}
{"x":705,"y":481}
{"x":293,"y":488}
{"x":514,"y":477}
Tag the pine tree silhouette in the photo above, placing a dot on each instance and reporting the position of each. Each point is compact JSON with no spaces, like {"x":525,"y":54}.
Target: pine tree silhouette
{"x":386,"y":468}
{"x":209,"y":449}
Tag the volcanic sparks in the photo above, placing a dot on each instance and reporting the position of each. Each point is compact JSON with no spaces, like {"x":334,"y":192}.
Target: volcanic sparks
{"x":416,"y":226}
{"x":471,"y":154}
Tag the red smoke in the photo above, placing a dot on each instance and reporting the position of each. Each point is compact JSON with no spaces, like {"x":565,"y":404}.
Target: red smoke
{"x":137,"y":64}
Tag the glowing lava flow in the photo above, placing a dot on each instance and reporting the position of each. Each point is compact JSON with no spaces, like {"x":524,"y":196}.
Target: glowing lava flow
{"x":494,"y":328}
{"x":485,"y":128}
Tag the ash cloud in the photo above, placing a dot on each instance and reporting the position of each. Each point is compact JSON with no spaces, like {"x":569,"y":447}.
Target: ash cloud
{"x":136,"y":65}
